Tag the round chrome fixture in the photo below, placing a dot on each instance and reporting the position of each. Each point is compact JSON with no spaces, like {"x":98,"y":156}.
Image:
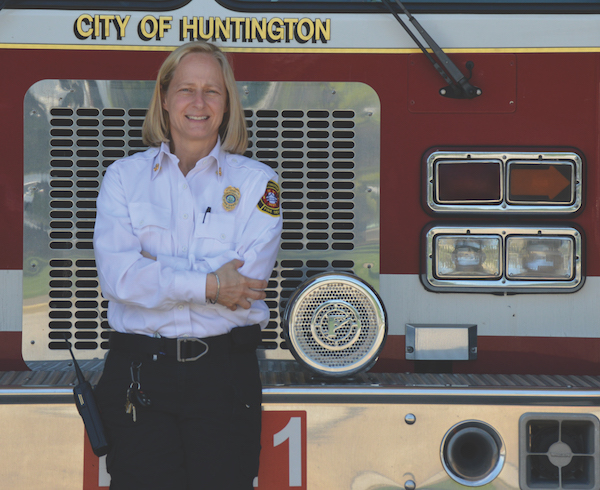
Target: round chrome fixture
{"x":473,"y":453}
{"x":335,"y":324}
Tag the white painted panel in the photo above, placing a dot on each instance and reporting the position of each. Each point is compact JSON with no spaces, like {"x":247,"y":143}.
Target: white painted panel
{"x":531,"y":315}
{"x":11,"y":300}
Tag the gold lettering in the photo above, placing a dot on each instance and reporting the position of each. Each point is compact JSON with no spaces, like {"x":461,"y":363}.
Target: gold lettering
{"x":259,"y":29}
{"x":79,"y":30}
{"x":222,"y":29}
{"x":186,"y":28}
{"x":96,"y":26}
{"x":290,"y":27}
{"x":310,"y":29}
{"x":237,"y":23}
{"x":210,"y":24}
{"x":276,"y":32}
{"x":323,"y":32}
{"x":247,"y":29}
{"x":105,"y":21}
{"x":122,"y":24}
{"x":164,"y":25}
{"x":143,"y":31}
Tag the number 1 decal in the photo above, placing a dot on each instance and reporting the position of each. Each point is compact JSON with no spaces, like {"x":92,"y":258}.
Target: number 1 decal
{"x":283,"y":454}
{"x":292,"y":432}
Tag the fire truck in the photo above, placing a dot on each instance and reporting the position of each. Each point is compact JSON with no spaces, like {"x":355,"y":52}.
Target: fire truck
{"x":435,"y":301}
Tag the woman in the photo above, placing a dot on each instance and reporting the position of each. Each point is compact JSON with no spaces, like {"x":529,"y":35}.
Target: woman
{"x":185,"y":240}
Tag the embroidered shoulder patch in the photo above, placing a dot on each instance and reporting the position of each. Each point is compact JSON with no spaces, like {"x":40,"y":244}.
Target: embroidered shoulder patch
{"x":269,"y":203}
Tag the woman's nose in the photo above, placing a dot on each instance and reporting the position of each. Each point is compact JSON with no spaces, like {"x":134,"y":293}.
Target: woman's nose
{"x":199,"y":99}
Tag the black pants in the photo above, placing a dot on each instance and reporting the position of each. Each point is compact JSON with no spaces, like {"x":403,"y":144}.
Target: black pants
{"x":201,"y":432}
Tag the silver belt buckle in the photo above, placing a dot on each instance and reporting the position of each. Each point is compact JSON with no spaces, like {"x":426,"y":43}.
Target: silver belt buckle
{"x":189,"y":359}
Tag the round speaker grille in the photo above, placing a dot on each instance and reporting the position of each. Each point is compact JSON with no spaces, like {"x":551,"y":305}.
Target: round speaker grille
{"x":335,"y":324}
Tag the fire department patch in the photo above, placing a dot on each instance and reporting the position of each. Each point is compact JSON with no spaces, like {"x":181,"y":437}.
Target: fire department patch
{"x":269,"y":203}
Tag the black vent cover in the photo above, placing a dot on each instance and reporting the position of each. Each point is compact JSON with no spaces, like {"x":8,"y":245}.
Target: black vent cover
{"x":558,"y":451}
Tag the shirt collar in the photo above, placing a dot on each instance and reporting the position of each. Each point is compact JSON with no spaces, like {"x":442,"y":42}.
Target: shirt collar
{"x":164,"y":153}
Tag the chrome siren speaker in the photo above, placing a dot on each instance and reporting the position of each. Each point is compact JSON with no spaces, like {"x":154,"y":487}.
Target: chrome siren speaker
{"x":473,"y":453}
{"x":335,"y":324}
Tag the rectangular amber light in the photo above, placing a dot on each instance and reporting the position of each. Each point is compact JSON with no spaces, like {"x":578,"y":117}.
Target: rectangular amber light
{"x":550,"y":183}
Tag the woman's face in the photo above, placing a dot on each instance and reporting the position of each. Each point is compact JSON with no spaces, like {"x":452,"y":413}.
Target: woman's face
{"x":196,"y":101}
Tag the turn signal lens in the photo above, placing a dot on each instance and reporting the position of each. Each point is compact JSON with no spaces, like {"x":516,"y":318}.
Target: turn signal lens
{"x":468,"y":257}
{"x":542,"y":258}
{"x":550,"y":184}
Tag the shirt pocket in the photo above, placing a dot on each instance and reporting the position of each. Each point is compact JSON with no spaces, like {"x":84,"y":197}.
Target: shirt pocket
{"x":151,"y":224}
{"x":214,"y":234}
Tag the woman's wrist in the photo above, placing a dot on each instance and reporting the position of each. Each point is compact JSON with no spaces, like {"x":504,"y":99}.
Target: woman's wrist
{"x":218,"y":288}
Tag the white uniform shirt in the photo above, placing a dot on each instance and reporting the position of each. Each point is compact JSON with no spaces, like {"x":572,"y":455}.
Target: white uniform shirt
{"x":146,"y":203}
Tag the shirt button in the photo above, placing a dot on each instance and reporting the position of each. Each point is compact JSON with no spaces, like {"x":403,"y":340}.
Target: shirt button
{"x":184,"y":249}
{"x":180,"y":307}
{"x":223,"y":236}
{"x":185,"y":186}
{"x":185,"y":216}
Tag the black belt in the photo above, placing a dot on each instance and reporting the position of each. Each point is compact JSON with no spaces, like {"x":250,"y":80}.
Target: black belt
{"x":187,"y":349}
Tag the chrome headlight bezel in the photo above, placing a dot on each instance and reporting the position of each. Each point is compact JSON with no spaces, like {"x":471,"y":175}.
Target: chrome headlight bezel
{"x":505,"y":281}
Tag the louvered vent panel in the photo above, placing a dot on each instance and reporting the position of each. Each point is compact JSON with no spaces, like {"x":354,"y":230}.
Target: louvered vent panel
{"x":313,"y":151}
{"x":83,"y":143}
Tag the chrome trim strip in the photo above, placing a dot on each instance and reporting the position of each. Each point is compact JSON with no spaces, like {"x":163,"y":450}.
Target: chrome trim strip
{"x":431,"y":396}
{"x":375,"y":394}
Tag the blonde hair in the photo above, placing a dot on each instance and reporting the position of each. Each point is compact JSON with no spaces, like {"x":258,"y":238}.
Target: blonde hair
{"x":233,"y":133}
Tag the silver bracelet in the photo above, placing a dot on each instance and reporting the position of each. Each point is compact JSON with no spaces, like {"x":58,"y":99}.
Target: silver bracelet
{"x":212,"y":302}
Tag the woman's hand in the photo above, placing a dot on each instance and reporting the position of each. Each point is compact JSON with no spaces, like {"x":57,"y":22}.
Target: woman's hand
{"x":234,"y":288}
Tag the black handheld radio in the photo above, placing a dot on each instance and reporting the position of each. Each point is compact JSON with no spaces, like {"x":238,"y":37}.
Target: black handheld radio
{"x":88,"y":409}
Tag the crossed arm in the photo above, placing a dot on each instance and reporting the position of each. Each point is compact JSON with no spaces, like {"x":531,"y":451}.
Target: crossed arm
{"x":234,"y":289}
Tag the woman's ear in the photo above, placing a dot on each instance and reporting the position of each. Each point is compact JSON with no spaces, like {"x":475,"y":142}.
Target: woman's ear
{"x":163,"y":102}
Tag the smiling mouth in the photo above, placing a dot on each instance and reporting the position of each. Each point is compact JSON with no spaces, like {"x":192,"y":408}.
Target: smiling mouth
{"x":197,"y":118}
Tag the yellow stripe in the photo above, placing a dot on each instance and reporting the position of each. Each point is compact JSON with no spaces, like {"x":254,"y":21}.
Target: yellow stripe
{"x":112,"y":47}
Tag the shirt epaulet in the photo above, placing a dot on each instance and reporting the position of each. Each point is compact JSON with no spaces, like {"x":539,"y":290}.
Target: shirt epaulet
{"x":240,"y":161}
